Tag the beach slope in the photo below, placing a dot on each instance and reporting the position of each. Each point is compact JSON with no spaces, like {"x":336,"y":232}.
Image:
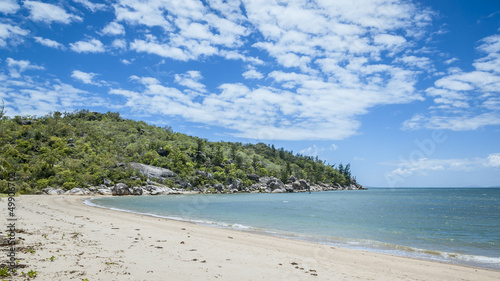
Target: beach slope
{"x":72,"y":241}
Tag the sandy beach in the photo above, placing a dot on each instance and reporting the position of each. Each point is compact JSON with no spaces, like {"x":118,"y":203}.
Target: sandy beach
{"x":71,"y":241}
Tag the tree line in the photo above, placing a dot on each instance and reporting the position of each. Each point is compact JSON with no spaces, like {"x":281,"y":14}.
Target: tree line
{"x":82,"y":148}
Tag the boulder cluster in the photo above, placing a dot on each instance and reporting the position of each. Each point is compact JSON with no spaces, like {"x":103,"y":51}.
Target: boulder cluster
{"x":156,"y":175}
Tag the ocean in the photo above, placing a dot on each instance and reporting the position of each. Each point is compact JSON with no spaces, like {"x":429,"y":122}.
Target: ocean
{"x":452,"y":225}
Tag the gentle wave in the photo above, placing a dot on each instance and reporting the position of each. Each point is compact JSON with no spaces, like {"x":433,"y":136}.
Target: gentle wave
{"x":452,"y":225}
{"x":356,"y":244}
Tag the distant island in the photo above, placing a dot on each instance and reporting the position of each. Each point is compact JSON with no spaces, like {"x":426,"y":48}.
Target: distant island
{"x":86,"y":152}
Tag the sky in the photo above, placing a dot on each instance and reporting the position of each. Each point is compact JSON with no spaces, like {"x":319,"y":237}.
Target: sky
{"x":407,"y":92}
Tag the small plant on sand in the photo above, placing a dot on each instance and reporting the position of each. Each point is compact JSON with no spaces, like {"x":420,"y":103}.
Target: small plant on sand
{"x":32,"y":273}
{"x":31,"y":251}
{"x":4,"y":272}
{"x":52,"y":258}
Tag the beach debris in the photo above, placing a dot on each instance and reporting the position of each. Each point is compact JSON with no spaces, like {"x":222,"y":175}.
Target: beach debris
{"x":182,"y":242}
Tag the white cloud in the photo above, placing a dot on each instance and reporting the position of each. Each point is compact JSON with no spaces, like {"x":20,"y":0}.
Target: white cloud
{"x":91,"y":6}
{"x":333,"y":61}
{"x":190,"y":80}
{"x":493,"y":160}
{"x":450,"y":61}
{"x":49,"y":43}
{"x":11,"y":34}
{"x":9,"y":6}
{"x":85,"y":77}
{"x":465,"y":100}
{"x":31,"y":95}
{"x":465,"y":122}
{"x":16,"y":67}
{"x":334,"y":147}
{"x":113,"y":28}
{"x":417,"y":62}
{"x":125,"y":61}
{"x":423,"y":166}
{"x":252,"y":74}
{"x":119,"y":44}
{"x":311,"y":151}
{"x":90,"y":46}
{"x":49,"y":13}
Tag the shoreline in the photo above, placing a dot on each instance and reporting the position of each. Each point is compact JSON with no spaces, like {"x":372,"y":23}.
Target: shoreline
{"x":105,"y":244}
{"x":372,"y":246}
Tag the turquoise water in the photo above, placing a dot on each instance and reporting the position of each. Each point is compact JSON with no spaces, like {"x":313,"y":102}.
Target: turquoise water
{"x":454,"y":225}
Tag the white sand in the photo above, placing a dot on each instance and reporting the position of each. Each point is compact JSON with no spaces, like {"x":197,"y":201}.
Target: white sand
{"x":100,"y":244}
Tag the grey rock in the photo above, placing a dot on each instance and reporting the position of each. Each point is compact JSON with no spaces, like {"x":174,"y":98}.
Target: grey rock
{"x":183,"y":184}
{"x":152,"y":171}
{"x":104,"y":191}
{"x":107,"y":182}
{"x":296,"y":185}
{"x":304,"y":185}
{"x":253,"y":177}
{"x":158,"y":189}
{"x":137,"y":190}
{"x":274,"y":183}
{"x":218,"y":187}
{"x":120,"y":189}
{"x":76,"y":191}
{"x":52,"y":191}
{"x":236,"y":184}
{"x":291,"y":179}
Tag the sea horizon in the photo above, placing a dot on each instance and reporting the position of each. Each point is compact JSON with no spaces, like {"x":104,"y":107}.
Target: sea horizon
{"x":423,"y":223}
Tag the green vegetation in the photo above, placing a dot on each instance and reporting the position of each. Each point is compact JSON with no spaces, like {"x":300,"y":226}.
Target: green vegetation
{"x":4,"y":272}
{"x":82,"y":148}
{"x":32,"y":273}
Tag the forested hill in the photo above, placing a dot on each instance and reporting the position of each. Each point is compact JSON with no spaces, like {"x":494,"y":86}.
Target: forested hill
{"x":83,"y":149}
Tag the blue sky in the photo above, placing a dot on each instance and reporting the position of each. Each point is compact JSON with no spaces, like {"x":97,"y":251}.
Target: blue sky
{"x":408,"y":92}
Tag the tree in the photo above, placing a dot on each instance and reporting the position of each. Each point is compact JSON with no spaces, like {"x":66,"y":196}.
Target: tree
{"x":219,"y":156}
{"x":347,"y":173}
{"x":233,"y":151}
{"x":4,"y":167}
{"x":341,"y":168}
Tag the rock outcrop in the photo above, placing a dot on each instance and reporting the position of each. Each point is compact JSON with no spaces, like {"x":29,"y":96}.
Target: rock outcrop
{"x":152,"y":171}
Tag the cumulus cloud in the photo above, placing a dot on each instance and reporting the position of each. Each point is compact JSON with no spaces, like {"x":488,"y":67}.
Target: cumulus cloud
{"x":11,"y":34}
{"x":252,"y":73}
{"x":113,"y":28}
{"x":91,"y":6}
{"x":16,"y":67}
{"x":48,"y":13}
{"x":85,"y":77}
{"x":465,"y":100}
{"x":190,"y":80}
{"x":9,"y":6}
{"x":31,"y":95}
{"x":48,"y":42}
{"x":90,"y":46}
{"x":423,"y":166}
{"x":333,"y":61}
